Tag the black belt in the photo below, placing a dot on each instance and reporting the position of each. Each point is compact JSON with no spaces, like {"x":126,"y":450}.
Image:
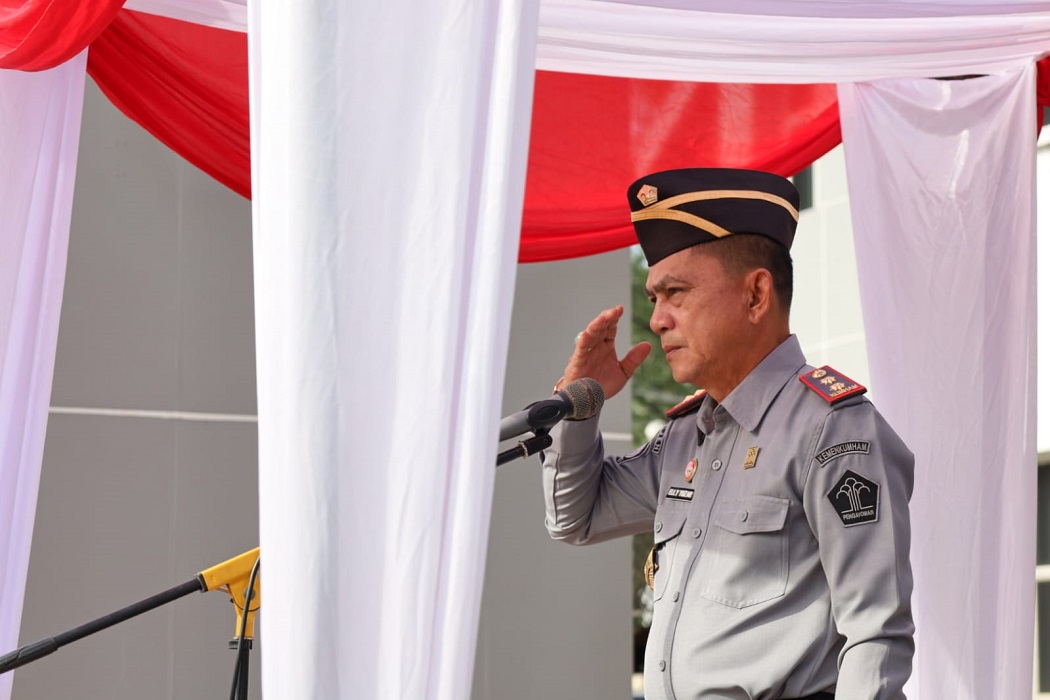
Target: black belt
{"x":819,"y":696}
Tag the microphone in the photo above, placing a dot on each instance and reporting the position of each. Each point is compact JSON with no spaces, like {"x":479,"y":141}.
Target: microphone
{"x":579,"y":400}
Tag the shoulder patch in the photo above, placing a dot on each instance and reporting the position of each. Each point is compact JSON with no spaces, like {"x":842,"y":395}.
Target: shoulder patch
{"x":652,"y":447}
{"x":832,"y":385}
{"x":855,"y":499}
{"x":691,"y":404}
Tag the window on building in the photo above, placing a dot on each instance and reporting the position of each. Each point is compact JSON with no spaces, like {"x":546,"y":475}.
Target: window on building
{"x":804,"y":184}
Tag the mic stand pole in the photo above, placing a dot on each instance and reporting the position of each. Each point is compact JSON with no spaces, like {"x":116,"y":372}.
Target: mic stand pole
{"x":231,"y":576}
{"x":40,"y":649}
{"x":526,"y":448}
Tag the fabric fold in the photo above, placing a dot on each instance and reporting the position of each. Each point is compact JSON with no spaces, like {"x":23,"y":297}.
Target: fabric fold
{"x":38,"y":149}
{"x":385,"y":223}
{"x":944,"y":222}
{"x":41,"y":34}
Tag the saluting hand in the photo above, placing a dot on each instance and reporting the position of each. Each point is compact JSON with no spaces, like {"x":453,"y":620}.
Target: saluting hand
{"x":595,"y":355}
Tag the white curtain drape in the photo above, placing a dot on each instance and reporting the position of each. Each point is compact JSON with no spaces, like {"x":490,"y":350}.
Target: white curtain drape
{"x":679,"y":42}
{"x":221,"y":14}
{"x":761,"y":41}
{"x":40,"y":114}
{"x":389,"y":163}
{"x":944,"y":219}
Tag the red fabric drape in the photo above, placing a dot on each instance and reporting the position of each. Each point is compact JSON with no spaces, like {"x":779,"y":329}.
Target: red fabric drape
{"x":593,"y":136}
{"x":40,"y":34}
{"x":184,"y":83}
{"x":1042,"y":89}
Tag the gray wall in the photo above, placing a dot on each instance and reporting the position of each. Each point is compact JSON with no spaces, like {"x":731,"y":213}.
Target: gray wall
{"x":156,"y":317}
{"x":149,"y":469}
{"x":555,"y":619}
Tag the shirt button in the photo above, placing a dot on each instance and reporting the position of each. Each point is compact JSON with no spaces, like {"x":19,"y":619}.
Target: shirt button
{"x":743,"y":516}
{"x":674,"y":598}
{"x":659,"y":526}
{"x":696,"y":533}
{"x":716,"y":465}
{"x":662,"y":665}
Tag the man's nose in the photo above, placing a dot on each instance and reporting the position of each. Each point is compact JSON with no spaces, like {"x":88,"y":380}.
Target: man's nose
{"x":659,"y":321}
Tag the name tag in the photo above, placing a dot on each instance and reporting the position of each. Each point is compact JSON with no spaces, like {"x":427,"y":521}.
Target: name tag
{"x":680,"y":494}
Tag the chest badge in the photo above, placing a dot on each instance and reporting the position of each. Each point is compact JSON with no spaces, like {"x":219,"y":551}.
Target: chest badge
{"x":690,"y":470}
{"x":751,"y":458}
{"x":650,"y":569}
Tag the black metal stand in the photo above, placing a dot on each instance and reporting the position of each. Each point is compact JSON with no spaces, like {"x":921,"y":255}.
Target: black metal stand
{"x":526,"y":448}
{"x":240,"y":673}
{"x":243,"y":642}
{"x":40,"y":649}
{"x":231,"y":576}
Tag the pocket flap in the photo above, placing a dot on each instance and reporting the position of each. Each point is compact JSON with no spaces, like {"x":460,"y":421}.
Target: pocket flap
{"x":754,"y":514}
{"x":668,"y":527}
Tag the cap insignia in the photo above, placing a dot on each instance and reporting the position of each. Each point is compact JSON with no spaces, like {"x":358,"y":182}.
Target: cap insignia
{"x":647,"y":195}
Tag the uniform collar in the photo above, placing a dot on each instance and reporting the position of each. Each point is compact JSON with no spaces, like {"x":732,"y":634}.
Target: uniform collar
{"x":750,"y":400}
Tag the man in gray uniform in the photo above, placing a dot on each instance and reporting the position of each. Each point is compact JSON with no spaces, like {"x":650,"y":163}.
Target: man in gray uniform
{"x":778,"y":496}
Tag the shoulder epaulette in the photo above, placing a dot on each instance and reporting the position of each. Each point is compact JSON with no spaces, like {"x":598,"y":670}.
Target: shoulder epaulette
{"x":832,"y":386}
{"x":691,"y":404}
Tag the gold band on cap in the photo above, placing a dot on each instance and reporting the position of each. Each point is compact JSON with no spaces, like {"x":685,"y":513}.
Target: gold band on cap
{"x":671,"y":202}
{"x":685,"y":217}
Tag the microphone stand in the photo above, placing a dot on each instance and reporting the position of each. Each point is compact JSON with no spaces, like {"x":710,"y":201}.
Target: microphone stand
{"x":526,"y":448}
{"x":237,"y":577}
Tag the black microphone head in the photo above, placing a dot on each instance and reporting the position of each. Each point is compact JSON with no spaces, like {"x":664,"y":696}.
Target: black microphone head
{"x":586,"y":396}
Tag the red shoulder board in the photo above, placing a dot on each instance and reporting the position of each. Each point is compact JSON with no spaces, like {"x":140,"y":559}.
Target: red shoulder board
{"x":832,"y":385}
{"x":690,"y":404}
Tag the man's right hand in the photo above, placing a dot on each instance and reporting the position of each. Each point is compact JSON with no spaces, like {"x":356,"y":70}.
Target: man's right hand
{"x":595,"y":355}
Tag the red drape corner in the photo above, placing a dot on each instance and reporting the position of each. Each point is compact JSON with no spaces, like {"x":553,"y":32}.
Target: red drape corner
{"x":41,"y":34}
{"x":592,"y":136}
{"x":186,"y":84}
{"x":1042,"y":90}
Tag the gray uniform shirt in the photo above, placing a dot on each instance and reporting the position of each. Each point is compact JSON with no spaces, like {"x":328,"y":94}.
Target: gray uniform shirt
{"x":783,"y":556}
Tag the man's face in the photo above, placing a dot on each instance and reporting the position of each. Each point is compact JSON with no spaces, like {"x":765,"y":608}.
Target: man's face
{"x":700,"y":315}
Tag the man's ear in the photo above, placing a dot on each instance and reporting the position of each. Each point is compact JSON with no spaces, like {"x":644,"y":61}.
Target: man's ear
{"x":759,"y":287}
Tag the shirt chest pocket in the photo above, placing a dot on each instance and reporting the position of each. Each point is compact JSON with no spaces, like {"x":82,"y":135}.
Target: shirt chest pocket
{"x":744,"y":561}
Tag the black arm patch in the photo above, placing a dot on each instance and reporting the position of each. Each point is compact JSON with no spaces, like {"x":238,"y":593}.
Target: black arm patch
{"x":855,"y":499}
{"x":654,"y":446}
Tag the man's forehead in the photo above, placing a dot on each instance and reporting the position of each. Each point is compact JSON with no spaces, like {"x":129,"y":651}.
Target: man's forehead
{"x":686,"y":266}
{"x":659,"y":281}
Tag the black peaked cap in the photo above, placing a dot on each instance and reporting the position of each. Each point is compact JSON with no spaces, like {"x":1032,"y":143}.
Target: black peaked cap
{"x":676,"y":209}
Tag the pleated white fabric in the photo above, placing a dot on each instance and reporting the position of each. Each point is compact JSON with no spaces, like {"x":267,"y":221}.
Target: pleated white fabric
{"x":944,"y":219}
{"x":820,"y":43}
{"x":760,"y":41}
{"x":389,"y":145}
{"x":221,"y":14}
{"x":40,"y":114}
